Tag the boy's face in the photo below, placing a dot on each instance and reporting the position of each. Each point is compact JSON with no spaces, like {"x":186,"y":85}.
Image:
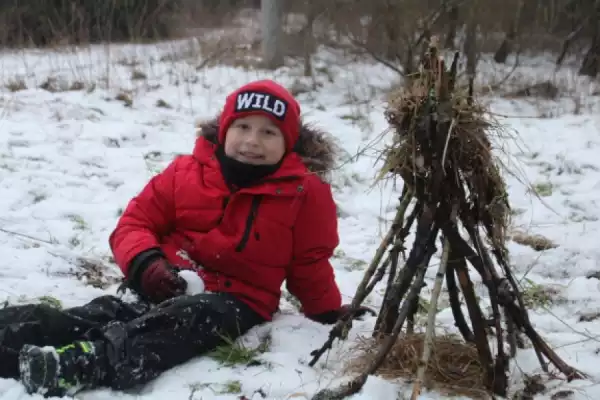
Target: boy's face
{"x":254,"y":140}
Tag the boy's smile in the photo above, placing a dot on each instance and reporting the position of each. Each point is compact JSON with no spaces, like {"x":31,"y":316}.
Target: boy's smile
{"x":250,"y":156}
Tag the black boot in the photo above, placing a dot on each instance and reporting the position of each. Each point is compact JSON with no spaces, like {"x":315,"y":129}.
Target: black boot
{"x":61,"y":371}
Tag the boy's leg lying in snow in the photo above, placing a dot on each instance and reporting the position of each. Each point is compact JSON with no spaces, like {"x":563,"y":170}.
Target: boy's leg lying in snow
{"x":122,"y":355}
{"x":43,"y":325}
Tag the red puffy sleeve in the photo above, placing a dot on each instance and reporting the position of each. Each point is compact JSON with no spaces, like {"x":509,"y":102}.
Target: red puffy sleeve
{"x":311,"y":276}
{"x":148,"y":216}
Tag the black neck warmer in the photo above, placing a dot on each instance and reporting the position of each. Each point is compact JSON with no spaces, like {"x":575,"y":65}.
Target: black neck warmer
{"x":239,"y":174}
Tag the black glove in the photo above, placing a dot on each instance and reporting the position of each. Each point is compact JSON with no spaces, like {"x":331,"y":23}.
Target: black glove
{"x":331,"y":317}
{"x":358,"y":314}
{"x":154,"y":278}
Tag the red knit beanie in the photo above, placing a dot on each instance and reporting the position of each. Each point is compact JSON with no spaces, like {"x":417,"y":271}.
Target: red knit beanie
{"x":264,"y":97}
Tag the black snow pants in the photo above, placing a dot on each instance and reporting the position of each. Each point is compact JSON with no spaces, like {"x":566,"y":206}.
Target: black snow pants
{"x":137,"y":342}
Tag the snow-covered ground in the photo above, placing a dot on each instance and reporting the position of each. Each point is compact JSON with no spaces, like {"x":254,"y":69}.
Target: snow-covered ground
{"x":72,"y":156}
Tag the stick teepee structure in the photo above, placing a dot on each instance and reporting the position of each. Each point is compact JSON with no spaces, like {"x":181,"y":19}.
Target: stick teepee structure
{"x":453,"y":194}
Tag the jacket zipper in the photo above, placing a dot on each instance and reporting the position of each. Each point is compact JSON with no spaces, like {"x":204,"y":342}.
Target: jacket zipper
{"x":249,"y":221}
{"x":254,"y":209}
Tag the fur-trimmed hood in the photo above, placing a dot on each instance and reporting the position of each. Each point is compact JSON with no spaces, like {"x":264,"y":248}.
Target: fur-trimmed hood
{"x":316,"y":148}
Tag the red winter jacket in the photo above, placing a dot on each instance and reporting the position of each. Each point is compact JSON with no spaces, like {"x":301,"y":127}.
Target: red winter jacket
{"x":248,"y":242}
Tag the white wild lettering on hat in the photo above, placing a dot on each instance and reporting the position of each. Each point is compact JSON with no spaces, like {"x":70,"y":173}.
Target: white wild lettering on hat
{"x":253,"y":101}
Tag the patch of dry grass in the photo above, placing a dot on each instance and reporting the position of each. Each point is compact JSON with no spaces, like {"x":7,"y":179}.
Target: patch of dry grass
{"x":535,"y":241}
{"x":453,"y":367}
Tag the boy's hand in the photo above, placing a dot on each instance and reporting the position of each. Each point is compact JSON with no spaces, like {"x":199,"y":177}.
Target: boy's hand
{"x":360,"y":312}
{"x":160,"y":281}
{"x":342,"y":313}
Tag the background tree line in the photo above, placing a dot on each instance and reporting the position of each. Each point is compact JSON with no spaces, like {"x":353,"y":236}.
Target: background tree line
{"x":390,"y":31}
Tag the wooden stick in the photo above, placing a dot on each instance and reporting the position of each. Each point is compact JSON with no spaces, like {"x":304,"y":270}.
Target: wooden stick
{"x":385,"y":243}
{"x":357,"y":383}
{"x":500,"y":382}
{"x":460,"y":320}
{"x":429,"y":332}
{"x":367,"y":284}
{"x":537,"y":341}
{"x":477,"y":320}
{"x":423,"y":248}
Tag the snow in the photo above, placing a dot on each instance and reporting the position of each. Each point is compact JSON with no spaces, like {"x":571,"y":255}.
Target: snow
{"x":195,"y":284}
{"x":71,"y":159}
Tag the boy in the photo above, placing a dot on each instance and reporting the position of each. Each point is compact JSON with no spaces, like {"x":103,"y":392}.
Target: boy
{"x":247,"y":210}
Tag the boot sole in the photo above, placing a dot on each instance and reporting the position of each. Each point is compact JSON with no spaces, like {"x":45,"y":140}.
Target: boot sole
{"x":32,"y":358}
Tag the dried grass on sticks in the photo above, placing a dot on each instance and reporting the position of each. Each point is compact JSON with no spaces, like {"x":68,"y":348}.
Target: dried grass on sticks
{"x":453,"y":192}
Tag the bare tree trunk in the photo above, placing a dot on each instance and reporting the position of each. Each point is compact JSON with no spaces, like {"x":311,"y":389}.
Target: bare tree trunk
{"x":452,"y":27}
{"x":515,"y":28}
{"x":308,"y":36}
{"x":470,"y":47}
{"x":272,"y":11}
{"x":590,"y":65}
{"x":390,"y":29}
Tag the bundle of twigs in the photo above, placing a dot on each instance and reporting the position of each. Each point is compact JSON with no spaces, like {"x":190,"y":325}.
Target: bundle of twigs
{"x":453,"y":191}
